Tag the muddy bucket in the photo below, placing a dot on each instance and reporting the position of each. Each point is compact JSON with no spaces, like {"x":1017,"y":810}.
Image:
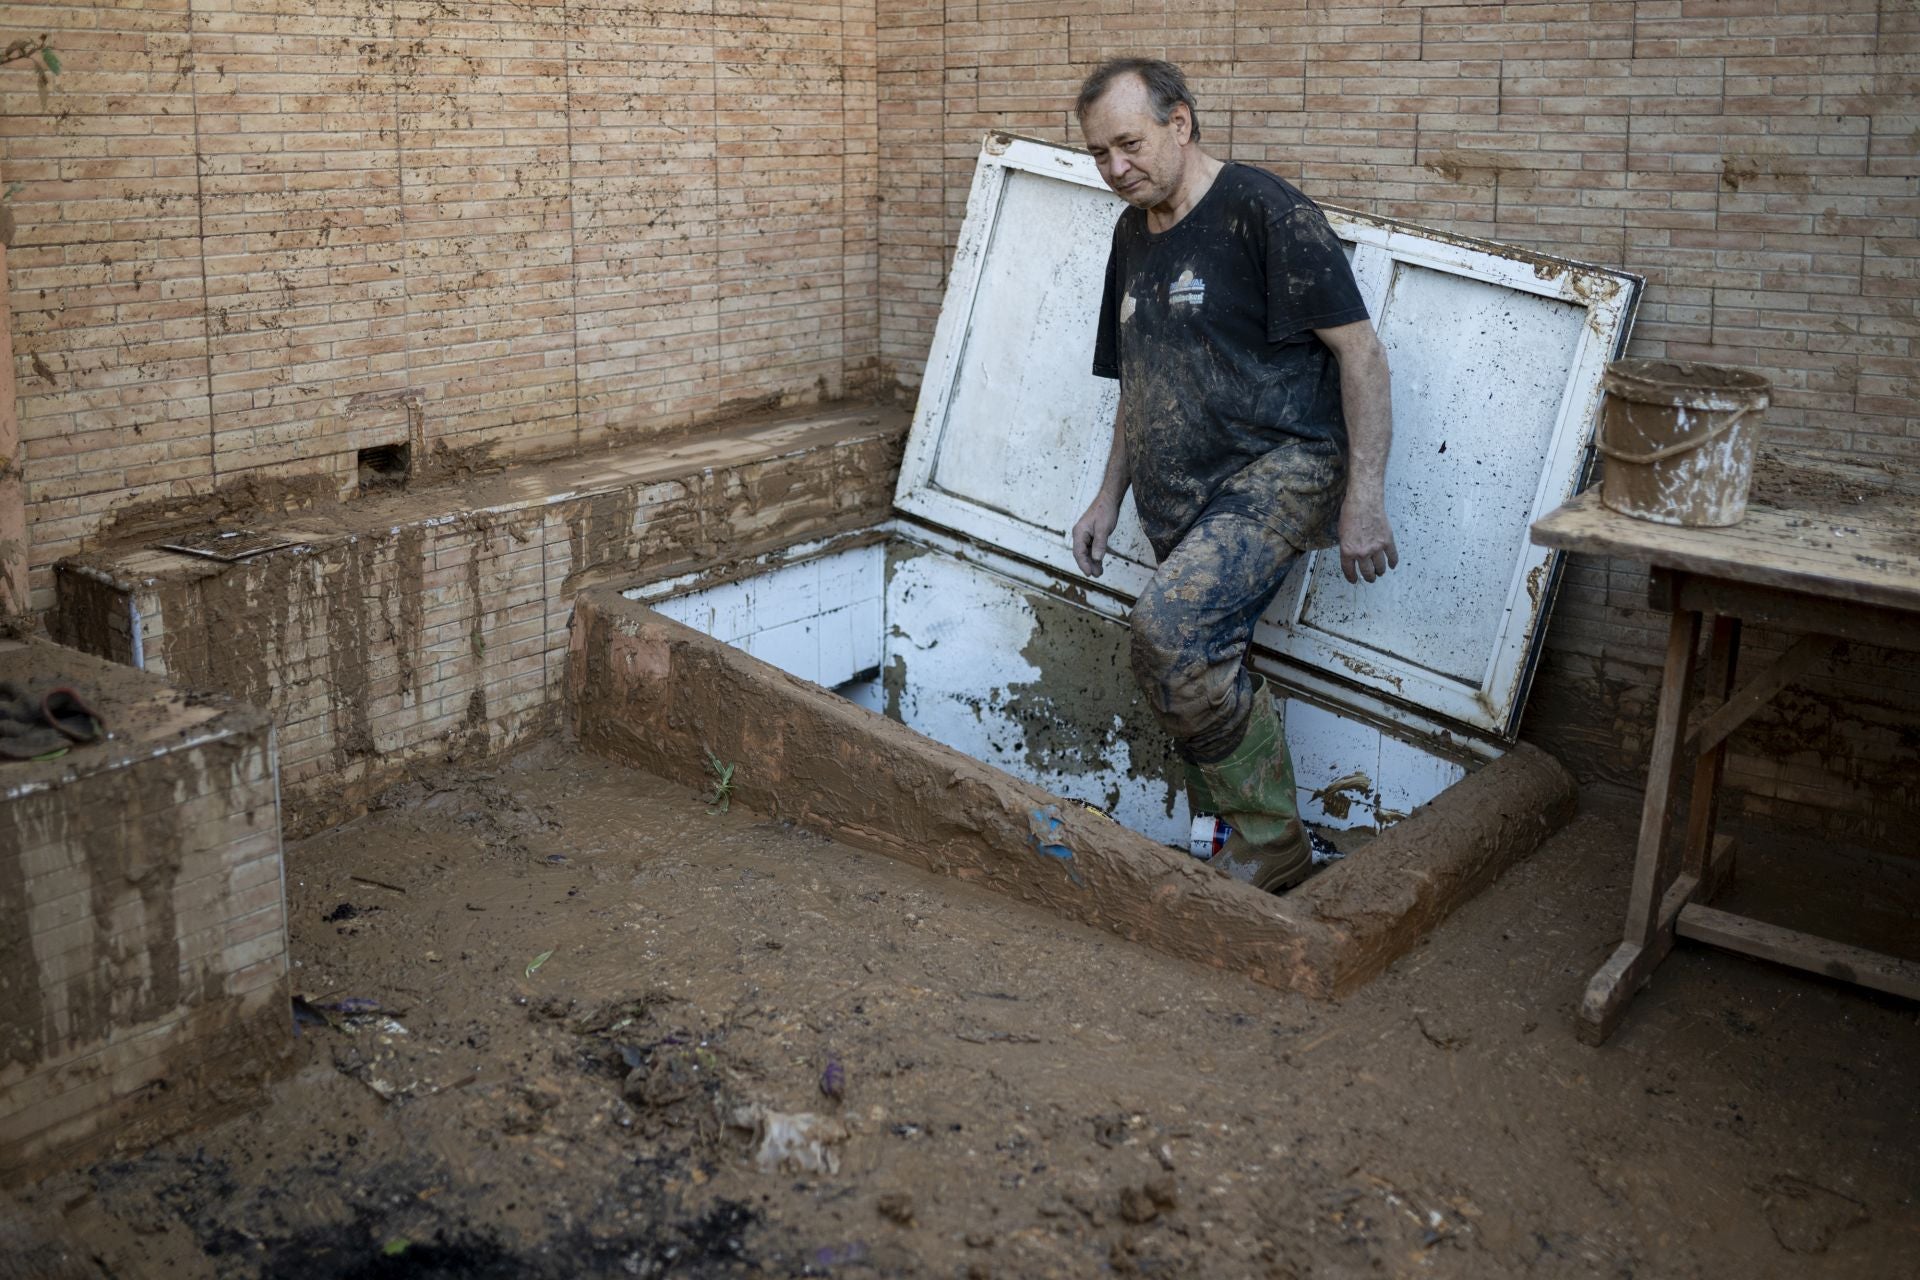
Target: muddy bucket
{"x":1679,"y":440}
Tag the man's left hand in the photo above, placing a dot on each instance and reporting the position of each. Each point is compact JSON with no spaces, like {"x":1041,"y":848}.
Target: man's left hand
{"x":1366,"y":542}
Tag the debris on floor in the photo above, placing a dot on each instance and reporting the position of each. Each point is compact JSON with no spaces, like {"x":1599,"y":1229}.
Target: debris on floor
{"x":792,"y":1142}
{"x":755,"y":1052}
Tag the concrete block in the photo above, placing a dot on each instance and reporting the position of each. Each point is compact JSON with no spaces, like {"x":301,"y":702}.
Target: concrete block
{"x":653,"y":693}
{"x":368,"y":643}
{"x":139,"y":878}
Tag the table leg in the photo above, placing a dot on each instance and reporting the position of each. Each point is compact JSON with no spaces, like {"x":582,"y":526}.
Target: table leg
{"x":1707,"y":861}
{"x":1650,"y":916}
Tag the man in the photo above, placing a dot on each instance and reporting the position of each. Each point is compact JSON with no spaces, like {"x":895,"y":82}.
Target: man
{"x":1253,"y":426}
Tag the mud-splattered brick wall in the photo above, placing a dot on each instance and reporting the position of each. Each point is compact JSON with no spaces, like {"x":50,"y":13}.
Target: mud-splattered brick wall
{"x":259,"y":236}
{"x":143,"y":939}
{"x":1754,"y":159}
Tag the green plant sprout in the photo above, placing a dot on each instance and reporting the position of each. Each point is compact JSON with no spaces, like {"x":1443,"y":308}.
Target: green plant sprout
{"x":722,"y":793}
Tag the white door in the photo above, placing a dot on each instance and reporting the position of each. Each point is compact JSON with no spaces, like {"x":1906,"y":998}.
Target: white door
{"x":1496,"y":356}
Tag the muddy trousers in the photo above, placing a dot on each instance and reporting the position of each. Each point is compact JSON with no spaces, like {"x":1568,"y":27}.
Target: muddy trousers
{"x":1191,"y":629}
{"x":1193,"y":624}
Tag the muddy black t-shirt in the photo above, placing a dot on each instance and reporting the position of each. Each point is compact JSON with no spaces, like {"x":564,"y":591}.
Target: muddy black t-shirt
{"x":1232,"y":403}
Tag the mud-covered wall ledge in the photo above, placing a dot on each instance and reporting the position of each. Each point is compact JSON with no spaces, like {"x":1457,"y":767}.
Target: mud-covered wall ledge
{"x":433,"y":622}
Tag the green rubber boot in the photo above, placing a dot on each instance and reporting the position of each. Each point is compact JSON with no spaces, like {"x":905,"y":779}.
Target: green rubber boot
{"x":1254,"y":789}
{"x":1199,"y":795}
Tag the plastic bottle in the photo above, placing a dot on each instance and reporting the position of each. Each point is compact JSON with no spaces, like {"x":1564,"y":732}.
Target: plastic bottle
{"x":1207,"y":836}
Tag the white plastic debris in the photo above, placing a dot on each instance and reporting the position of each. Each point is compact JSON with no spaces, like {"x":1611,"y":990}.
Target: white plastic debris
{"x":796,"y":1142}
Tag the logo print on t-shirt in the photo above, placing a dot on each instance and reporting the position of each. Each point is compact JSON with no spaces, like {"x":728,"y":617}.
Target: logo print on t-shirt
{"x":1126,"y":308}
{"x":1187,"y":291}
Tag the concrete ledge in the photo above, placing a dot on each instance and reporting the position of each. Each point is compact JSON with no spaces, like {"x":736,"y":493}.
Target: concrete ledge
{"x":657,"y":695}
{"x":432,"y":623}
{"x":1378,"y":903}
{"x":143,"y":945}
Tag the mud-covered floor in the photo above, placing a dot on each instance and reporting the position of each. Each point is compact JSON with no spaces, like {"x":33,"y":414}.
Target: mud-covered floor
{"x":1020,"y":1097}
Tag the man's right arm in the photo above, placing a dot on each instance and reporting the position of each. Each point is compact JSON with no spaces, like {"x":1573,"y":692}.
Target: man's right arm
{"x":1091,"y":531}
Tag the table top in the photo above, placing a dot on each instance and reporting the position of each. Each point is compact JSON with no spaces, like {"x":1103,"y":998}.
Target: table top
{"x":1843,"y":527}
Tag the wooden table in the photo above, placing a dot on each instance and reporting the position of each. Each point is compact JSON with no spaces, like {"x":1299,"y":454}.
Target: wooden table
{"x":1829,"y":550}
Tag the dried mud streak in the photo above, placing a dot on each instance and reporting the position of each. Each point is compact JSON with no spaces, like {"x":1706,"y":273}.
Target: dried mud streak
{"x":128,"y":823}
{"x":894,"y":680}
{"x":1086,"y":679}
{"x":234,"y":629}
{"x":347,"y":653}
{"x":409,"y":573}
{"x":477,"y":737}
{"x":85,"y":611}
{"x":658,"y":529}
{"x":248,"y":499}
{"x":599,"y":530}
{"x":72,"y":1005}
{"x":119,"y":805}
{"x":385,"y":576}
{"x":654,"y":694}
{"x":26,"y":1021}
{"x":479,"y":547}
{"x":893,"y":686}
{"x":144,"y":862}
{"x":212,"y":636}
{"x":1418,"y":871}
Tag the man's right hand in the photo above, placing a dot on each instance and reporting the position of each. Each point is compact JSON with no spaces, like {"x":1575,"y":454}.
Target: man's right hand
{"x":1090,"y":534}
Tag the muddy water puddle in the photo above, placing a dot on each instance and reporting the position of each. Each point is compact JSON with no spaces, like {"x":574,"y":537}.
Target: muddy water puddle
{"x":561,"y":1008}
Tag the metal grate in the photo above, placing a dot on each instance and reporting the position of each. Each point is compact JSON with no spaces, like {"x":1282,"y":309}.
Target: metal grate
{"x":226,"y":544}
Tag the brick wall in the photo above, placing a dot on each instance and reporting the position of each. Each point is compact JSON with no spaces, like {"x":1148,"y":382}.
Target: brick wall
{"x":1754,"y":159}
{"x":249,"y":228}
{"x":260,"y":235}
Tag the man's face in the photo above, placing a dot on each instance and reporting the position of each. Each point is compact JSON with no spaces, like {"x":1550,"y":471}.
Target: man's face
{"x":1140,"y":158}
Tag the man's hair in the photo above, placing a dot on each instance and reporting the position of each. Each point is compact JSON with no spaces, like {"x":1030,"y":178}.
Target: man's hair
{"x":1165,"y":87}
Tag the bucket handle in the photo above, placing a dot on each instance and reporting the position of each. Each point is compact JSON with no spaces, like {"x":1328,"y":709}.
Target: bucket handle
{"x":1672,"y":450}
